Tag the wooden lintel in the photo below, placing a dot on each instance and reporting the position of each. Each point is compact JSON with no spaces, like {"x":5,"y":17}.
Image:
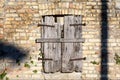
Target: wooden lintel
{"x":59,"y":40}
{"x":46,"y":25}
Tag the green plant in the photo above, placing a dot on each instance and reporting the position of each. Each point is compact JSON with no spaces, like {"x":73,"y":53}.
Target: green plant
{"x":40,"y":54}
{"x":30,"y":57}
{"x":2,"y":75}
{"x":117,"y":58}
{"x":26,"y":65}
{"x":32,"y":62}
{"x":17,"y":76}
{"x":7,"y":78}
{"x":36,"y":65}
{"x":40,"y":49}
{"x":94,"y":62}
{"x":35,"y":71}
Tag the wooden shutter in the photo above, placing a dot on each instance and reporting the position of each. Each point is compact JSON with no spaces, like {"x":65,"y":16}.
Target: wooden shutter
{"x":72,"y":50}
{"x":61,"y":44}
{"x":51,"y":50}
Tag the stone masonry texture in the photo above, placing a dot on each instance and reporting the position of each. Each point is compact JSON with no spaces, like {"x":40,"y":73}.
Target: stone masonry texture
{"x":18,"y":27}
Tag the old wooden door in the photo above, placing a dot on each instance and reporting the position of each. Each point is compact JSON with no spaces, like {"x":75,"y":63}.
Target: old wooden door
{"x":61,"y":44}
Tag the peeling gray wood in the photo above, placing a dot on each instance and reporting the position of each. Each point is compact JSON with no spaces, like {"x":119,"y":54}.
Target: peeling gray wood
{"x":52,"y":50}
{"x":77,"y":46}
{"x":62,"y":53}
{"x":71,"y":50}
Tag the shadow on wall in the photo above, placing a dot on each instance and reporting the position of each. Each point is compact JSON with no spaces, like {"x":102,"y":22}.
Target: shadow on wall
{"x":104,"y":37}
{"x":12,"y":52}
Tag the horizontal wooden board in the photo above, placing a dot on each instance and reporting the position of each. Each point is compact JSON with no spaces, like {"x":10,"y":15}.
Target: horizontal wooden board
{"x":59,"y":40}
{"x":60,"y":25}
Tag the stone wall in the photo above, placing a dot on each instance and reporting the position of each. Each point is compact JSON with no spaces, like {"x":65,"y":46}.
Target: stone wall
{"x":1,"y":18}
{"x":18,"y":26}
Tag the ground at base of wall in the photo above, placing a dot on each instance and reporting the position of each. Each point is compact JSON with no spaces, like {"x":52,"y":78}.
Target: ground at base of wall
{"x":52,"y":76}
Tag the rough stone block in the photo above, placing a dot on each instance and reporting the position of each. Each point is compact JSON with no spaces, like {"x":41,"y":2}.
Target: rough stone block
{"x":117,"y":4}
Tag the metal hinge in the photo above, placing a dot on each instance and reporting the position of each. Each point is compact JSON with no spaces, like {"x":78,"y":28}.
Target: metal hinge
{"x":44,"y":59}
{"x":78,"y":59}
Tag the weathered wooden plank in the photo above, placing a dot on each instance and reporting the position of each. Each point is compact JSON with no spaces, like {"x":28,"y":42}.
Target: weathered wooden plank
{"x":61,"y":25}
{"x":52,"y":50}
{"x":57,"y":50}
{"x":78,"y":47}
{"x":68,"y":47}
{"x":72,"y":50}
{"x":60,"y":40}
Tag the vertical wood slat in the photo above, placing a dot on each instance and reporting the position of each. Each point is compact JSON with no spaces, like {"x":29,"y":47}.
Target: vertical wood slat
{"x":71,"y":50}
{"x":52,"y":50}
{"x":78,"y":46}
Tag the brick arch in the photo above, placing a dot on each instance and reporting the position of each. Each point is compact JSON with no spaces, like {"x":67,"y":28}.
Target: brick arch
{"x":61,"y":8}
